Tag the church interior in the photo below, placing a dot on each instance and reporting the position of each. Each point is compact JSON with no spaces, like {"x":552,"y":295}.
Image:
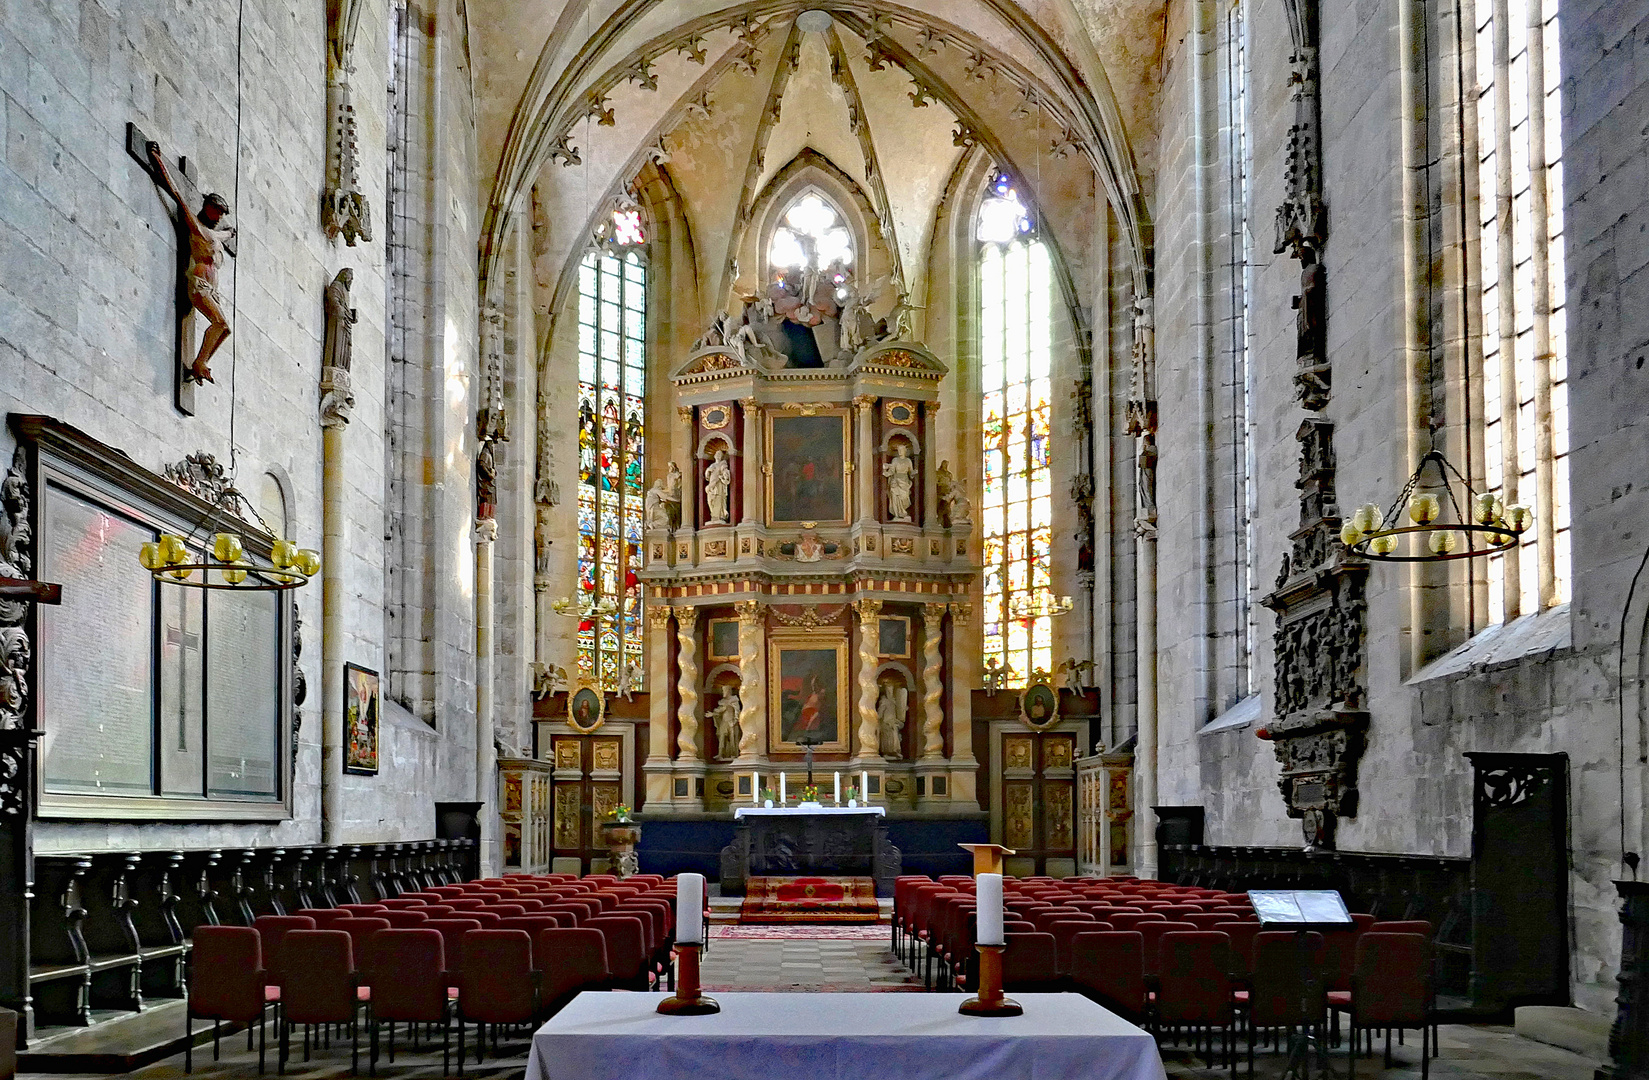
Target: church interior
{"x":1131,"y":505}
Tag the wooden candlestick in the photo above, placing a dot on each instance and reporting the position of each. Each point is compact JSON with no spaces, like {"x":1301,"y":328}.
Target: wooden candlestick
{"x":990,"y":1000}
{"x":689,"y":999}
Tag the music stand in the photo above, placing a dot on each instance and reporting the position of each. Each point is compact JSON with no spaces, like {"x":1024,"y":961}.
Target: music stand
{"x":1302,"y":911}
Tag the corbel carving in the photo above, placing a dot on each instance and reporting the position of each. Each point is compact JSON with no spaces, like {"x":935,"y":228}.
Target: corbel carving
{"x":344,"y":209}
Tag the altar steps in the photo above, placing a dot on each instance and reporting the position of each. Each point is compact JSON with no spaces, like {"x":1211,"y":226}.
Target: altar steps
{"x":790,"y":900}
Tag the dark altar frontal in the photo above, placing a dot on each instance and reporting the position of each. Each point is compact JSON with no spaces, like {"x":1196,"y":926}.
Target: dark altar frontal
{"x":792,"y":843}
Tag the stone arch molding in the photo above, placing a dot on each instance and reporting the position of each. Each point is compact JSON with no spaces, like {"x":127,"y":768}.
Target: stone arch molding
{"x":569,"y":84}
{"x":812,"y":171}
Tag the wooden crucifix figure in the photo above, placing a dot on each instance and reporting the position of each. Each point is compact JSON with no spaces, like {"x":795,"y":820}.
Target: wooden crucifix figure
{"x":205,"y":244}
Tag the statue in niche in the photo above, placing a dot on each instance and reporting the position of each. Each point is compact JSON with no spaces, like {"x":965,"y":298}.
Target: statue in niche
{"x":891,"y":708}
{"x":210,"y":242}
{"x":900,"y":471}
{"x":961,"y":507}
{"x":629,"y":679}
{"x":541,"y":541}
{"x":944,"y":488}
{"x":655,"y":510}
{"x":672,"y":495}
{"x":338,"y":349}
{"x":486,"y":483}
{"x":726,"y":719}
{"x":718,"y":486}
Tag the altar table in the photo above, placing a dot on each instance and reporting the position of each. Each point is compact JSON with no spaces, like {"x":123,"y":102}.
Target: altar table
{"x":804,"y":811}
{"x":908,"y":1036}
{"x":809,"y":841}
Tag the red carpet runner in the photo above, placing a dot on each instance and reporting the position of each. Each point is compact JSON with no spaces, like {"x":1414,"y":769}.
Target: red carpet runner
{"x":809,"y":900}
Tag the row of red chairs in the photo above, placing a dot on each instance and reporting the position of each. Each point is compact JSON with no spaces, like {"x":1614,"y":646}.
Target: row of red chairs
{"x":492,"y":952}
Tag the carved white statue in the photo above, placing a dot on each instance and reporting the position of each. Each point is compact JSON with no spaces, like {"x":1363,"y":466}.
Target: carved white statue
{"x":726,"y":719}
{"x":629,"y":680}
{"x":656,"y":510}
{"x":901,"y":481}
{"x":944,"y":488}
{"x":890,"y":718}
{"x":718,"y":485}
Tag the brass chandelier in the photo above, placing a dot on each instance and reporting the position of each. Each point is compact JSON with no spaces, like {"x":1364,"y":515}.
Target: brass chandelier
{"x":1431,"y":535}
{"x":226,"y":563}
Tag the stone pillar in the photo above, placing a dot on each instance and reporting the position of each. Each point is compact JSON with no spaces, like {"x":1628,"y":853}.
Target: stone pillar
{"x":657,"y":766}
{"x":868,"y":743}
{"x":933,"y":688}
{"x":753,"y":509}
{"x":336,"y":403}
{"x":964,"y":776}
{"x":865,"y":476}
{"x":690,"y":483}
{"x":752,"y":685}
{"x":687,"y":684}
{"x":1145,"y":746}
{"x":486,"y":532}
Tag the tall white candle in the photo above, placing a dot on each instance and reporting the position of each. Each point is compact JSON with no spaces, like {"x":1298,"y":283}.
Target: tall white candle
{"x":781,"y":789}
{"x":990,"y":910}
{"x":690,"y":909}
{"x":838,"y":789}
{"x":864,"y":787}
{"x":756,"y":790}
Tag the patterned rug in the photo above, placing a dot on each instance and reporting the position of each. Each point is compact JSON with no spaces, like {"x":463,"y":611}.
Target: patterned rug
{"x":802,"y":933}
{"x":810,"y":900}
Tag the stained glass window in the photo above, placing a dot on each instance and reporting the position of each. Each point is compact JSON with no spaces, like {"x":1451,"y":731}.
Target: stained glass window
{"x":1525,"y":358}
{"x":813,"y":237}
{"x":612,"y":392}
{"x":1016,"y":369}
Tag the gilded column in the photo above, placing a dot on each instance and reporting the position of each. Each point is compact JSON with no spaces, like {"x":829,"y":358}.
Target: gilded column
{"x":933,"y":690}
{"x":752,"y":687}
{"x":687,"y":684}
{"x":865,"y":473}
{"x":752,"y":467}
{"x":869,"y":741}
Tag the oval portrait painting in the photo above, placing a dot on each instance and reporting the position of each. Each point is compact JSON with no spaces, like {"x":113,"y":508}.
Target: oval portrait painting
{"x":584,"y":709}
{"x":1039,"y":705}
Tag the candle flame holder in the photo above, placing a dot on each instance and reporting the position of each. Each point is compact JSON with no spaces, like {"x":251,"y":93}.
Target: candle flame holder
{"x":689,"y":998}
{"x":990,"y":1001}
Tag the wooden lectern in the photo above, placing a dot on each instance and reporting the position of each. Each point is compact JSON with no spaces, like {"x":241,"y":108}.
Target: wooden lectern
{"x":987,"y":858}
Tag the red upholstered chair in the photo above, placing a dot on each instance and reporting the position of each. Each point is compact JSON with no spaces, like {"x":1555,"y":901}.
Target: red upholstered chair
{"x":487,"y":917}
{"x":1130,"y":920}
{"x":406,"y":972}
{"x":404,"y":919}
{"x":626,"y":950}
{"x":320,"y":988}
{"x":1242,"y":935}
{"x":1391,"y":988}
{"x":358,"y":910}
{"x":1402,"y":926}
{"x":1109,"y":966}
{"x":359,"y":930}
{"x":569,"y":961}
{"x":227,"y":984}
{"x":1030,"y":963}
{"x":404,"y":902}
{"x":1064,"y":932}
{"x":506,"y":911}
{"x":438,"y":911}
{"x":1194,"y":987}
{"x":1152,"y":931}
{"x":324,"y":917}
{"x":577,"y":912}
{"x":532,"y":924}
{"x":272,"y":931}
{"x":496,"y":985}
{"x":452,"y":938}
{"x":466,"y":903}
{"x":1286,"y":984}
{"x":1045,"y":916}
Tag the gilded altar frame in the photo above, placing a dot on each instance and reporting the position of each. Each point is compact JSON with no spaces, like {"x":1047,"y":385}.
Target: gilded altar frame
{"x":794,"y":644}
{"x":779,"y":456}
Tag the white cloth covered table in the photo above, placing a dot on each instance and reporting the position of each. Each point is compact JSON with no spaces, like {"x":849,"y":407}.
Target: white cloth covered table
{"x":909,"y":1036}
{"x":805,"y":811}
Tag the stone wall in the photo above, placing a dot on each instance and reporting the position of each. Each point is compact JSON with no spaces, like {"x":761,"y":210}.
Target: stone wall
{"x":1544,"y":684}
{"x":86,"y":320}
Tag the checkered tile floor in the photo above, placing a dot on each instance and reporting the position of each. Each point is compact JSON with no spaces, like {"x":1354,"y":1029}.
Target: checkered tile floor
{"x":1469,"y":1053}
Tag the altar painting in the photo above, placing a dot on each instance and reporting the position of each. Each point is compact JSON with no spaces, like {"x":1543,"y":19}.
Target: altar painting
{"x":808,"y":694}
{"x":808,"y":456}
{"x":361,"y":707}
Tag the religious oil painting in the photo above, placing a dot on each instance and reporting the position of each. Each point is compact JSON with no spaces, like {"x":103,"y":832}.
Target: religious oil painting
{"x":1039,"y":705}
{"x":724,"y":639}
{"x":361,"y":713}
{"x":893,"y":637}
{"x":808,"y":455}
{"x":585,"y":709}
{"x":807,"y":692}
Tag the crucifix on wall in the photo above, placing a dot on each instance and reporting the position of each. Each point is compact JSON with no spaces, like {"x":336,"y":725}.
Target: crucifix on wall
{"x":204,"y":245}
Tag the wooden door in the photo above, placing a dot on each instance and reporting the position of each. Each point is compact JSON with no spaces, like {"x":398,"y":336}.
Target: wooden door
{"x":1039,"y":800}
{"x":588,"y":786}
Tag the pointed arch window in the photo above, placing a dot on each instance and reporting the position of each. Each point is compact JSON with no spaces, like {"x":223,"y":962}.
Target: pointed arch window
{"x":811,"y":236}
{"x":1016,"y":383}
{"x":612,"y":436}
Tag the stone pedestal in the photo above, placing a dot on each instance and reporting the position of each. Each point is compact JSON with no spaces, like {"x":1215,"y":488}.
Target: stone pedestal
{"x":621,"y":838}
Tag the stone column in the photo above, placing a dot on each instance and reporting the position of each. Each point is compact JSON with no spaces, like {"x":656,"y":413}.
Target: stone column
{"x":1145,"y":746}
{"x":752,"y":685}
{"x":933,"y":688}
{"x":657,"y":766}
{"x":486,"y":532}
{"x":336,"y":404}
{"x":865,"y":479}
{"x":964,"y":776}
{"x":868,"y":747}
{"x":753,"y":509}
{"x":687,"y":684}
{"x":690,"y":483}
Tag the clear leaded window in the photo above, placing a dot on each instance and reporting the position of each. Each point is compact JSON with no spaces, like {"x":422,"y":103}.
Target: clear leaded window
{"x":1525,"y":364}
{"x":1016,"y":369}
{"x":813,"y":237}
{"x":612,"y":393}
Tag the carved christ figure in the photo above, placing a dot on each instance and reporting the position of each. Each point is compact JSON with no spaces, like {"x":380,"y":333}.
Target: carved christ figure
{"x":209,"y":243}
{"x":901,"y":480}
{"x":727,"y":723}
{"x":718,"y":483}
{"x":890,"y":719}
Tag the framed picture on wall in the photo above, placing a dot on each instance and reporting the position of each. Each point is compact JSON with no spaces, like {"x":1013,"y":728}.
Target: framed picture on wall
{"x":362,"y":708}
{"x":809,"y":456}
{"x":723,"y":639}
{"x":893,"y":637}
{"x":807,"y":693}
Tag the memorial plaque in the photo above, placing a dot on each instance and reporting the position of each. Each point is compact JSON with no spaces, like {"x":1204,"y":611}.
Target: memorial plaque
{"x":97,"y":650}
{"x":243,"y":692}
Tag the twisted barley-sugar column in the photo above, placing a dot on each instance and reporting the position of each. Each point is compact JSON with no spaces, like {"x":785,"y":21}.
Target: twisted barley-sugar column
{"x":687,"y":684}
{"x":752,"y":715}
{"x":933,"y":715}
{"x":869,"y":730}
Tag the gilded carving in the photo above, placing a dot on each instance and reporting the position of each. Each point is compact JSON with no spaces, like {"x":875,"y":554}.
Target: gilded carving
{"x":687,"y":684}
{"x":752,"y":721}
{"x":1057,"y":751}
{"x":604,"y":799}
{"x":567,"y":825}
{"x":1017,"y":810}
{"x":1058,"y":824}
{"x":607,"y":754}
{"x":933,"y":688}
{"x":568,"y":755}
{"x":1018,"y":752}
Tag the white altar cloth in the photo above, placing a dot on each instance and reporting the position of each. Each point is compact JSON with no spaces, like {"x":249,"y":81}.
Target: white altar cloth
{"x":802,"y":811}
{"x":912,"y":1036}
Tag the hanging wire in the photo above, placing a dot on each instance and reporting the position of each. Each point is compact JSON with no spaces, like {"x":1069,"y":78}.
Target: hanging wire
{"x":234,"y":271}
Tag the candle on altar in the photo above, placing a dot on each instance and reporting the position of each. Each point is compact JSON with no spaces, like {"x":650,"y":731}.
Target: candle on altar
{"x":756,"y":790}
{"x":838,"y":789}
{"x":781,"y":789}
{"x":690,"y":909}
{"x":864,"y":787}
{"x":990,"y":931}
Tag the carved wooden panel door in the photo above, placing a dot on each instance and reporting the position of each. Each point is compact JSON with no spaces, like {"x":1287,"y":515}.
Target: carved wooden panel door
{"x":588,"y":786}
{"x":1039,"y":802}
